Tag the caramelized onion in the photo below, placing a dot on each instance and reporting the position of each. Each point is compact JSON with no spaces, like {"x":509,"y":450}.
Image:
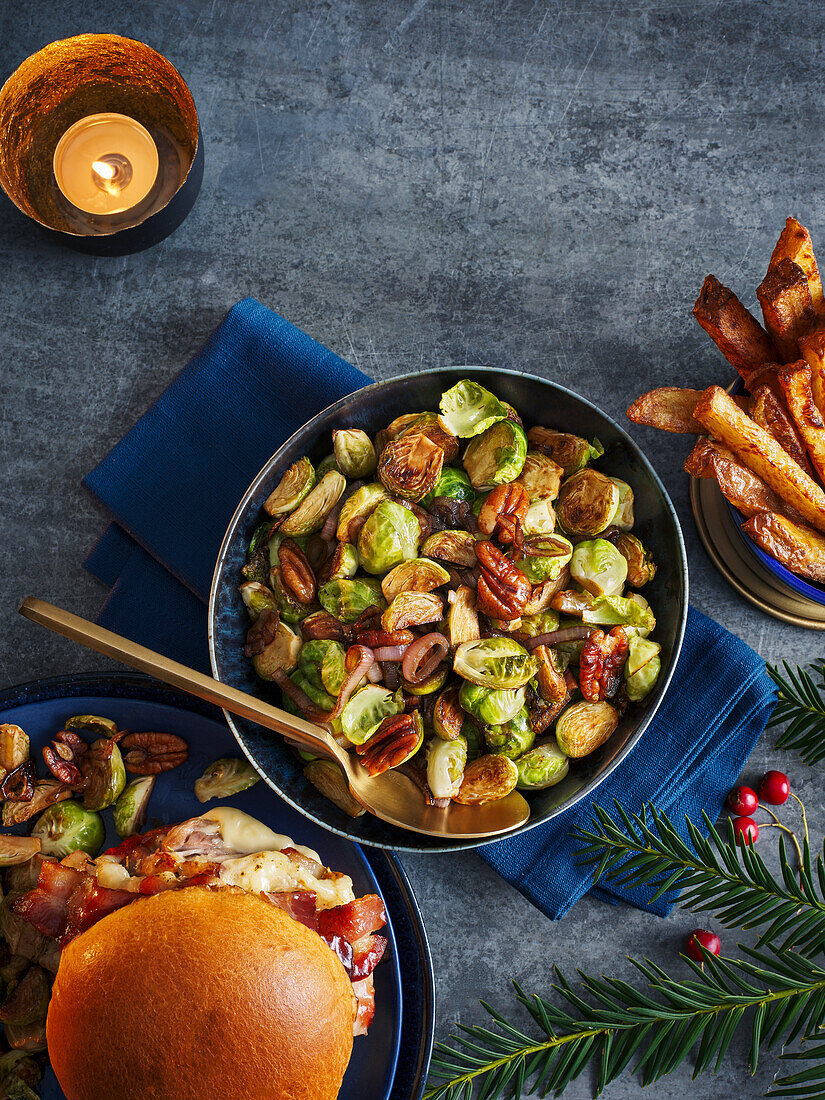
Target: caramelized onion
{"x":555,"y":637}
{"x":374,"y":673}
{"x":300,"y":698}
{"x":390,"y":652}
{"x":358,"y":661}
{"x":424,"y":656}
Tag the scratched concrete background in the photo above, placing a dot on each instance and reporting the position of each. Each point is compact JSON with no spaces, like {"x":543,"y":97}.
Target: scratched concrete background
{"x":534,"y":186}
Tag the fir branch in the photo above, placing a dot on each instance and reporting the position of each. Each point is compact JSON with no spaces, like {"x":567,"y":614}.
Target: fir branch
{"x":731,"y":880}
{"x":801,"y":704}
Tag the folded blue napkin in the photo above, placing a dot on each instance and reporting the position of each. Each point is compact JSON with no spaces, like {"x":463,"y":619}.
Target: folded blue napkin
{"x":173,"y":483}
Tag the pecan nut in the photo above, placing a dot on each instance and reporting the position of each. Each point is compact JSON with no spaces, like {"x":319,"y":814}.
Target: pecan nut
{"x":395,"y":741}
{"x":151,"y":753}
{"x":18,"y":784}
{"x":325,"y":626}
{"x":296,"y":572}
{"x":503,"y":590}
{"x":502,"y":513}
{"x":600,"y":666}
{"x":262,"y":633}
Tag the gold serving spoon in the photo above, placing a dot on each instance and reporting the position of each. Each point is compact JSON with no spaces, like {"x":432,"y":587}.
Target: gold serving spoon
{"x":391,"y":796}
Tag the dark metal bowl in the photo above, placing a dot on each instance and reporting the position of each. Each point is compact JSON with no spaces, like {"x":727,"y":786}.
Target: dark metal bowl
{"x":372,"y":408}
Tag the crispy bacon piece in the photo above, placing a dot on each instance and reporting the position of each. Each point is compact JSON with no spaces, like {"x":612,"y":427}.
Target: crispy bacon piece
{"x":365,"y":995}
{"x":46,"y":906}
{"x":366,"y":955}
{"x":300,"y":904}
{"x":354,"y":919}
{"x":89,"y":904}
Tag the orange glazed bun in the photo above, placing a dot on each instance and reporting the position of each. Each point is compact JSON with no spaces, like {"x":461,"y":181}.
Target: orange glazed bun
{"x":197,"y":994}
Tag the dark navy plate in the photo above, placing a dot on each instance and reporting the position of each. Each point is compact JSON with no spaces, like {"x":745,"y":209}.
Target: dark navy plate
{"x":391,"y":1062}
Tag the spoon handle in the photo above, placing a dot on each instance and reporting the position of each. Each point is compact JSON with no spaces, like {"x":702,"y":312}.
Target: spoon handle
{"x":180,"y":676}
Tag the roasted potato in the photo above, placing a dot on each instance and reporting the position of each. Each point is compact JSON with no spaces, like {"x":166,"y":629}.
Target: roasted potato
{"x":787,"y":307}
{"x":795,"y":244}
{"x":795,"y":380}
{"x":741,"y":486}
{"x":770,"y":413}
{"x":812,"y":349}
{"x":670,"y":409}
{"x":732,"y":327}
{"x":795,"y":546}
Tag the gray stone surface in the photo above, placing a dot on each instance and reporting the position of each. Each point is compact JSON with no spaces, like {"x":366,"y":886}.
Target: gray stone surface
{"x":538,"y":186}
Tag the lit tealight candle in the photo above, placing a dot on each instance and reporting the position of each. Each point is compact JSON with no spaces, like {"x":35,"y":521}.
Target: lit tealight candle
{"x":106,"y":163}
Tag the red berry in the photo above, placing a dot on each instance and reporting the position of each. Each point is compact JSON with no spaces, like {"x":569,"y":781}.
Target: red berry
{"x":746,"y":830}
{"x":775,"y":788}
{"x":743,"y":801}
{"x":701,"y":937}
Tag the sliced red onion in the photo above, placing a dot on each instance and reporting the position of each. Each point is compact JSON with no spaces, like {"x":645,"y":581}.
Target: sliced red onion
{"x":374,"y":673}
{"x":555,"y":637}
{"x":331,"y":524}
{"x":423,"y":657}
{"x":358,"y":662}
{"x":390,"y":652}
{"x":301,"y":700}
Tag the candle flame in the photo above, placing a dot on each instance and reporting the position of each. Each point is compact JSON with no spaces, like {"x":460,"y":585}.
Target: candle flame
{"x":104,"y":169}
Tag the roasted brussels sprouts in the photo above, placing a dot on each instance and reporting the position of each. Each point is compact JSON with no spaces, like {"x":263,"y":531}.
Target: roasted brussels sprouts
{"x":494,"y":663}
{"x":571,"y":452}
{"x":473,"y":734}
{"x":354,"y":452}
{"x":322,"y":663}
{"x":257,"y":598}
{"x":105,"y":774}
{"x":641,"y":567}
{"x":491,"y":706}
{"x":344,"y":564}
{"x":412,"y":609}
{"x":410,"y":466}
{"x":487,"y":779}
{"x":315,"y":694}
{"x":94,"y":723}
{"x":346,"y":599}
{"x":544,"y":557}
{"x":623,"y":516}
{"x":448,"y":715}
{"x":389,"y":536}
{"x":281,"y":655}
{"x":356,"y":509}
{"x":291,"y":489}
{"x":621,"y":611}
{"x":432,"y":683}
{"x":290,"y":609}
{"x":497,"y":456}
{"x":540,"y":477}
{"x":67,"y":827}
{"x":446,"y":761}
{"x":543,"y":766}
{"x":598,"y":567}
{"x":429,"y":425}
{"x":327,"y":777}
{"x":542,"y":623}
{"x":14,"y":748}
{"x":261,"y":536}
{"x":227,"y":776}
{"x":456,"y":547}
{"x":132,"y":807}
{"x":587,"y":503}
{"x":325,"y":465}
{"x":540,"y":519}
{"x":15,"y":850}
{"x":462,"y":617}
{"x":511,"y":738}
{"x":46,"y":793}
{"x":311,"y":513}
{"x":642,"y":668}
{"x":365,"y":712}
{"x":415,"y":575}
{"x":584,"y":727}
{"x":451,"y":483}
{"x":467,"y":409}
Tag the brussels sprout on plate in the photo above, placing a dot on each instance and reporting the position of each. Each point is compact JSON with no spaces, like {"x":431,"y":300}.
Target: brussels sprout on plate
{"x":642,"y":668}
{"x":641,"y":567}
{"x":225,"y":777}
{"x":322,"y":663}
{"x":354,"y":452}
{"x":468,"y":409}
{"x":410,"y":466}
{"x":291,"y":489}
{"x":632,"y":612}
{"x":280,"y":655}
{"x":446,"y":761}
{"x":494,"y":663}
{"x":415,"y":575}
{"x":105,"y":775}
{"x":456,"y":547}
{"x":365,"y":712}
{"x":344,"y":563}
{"x":543,"y":766}
{"x":66,"y":827}
{"x":540,"y":477}
{"x":598,"y":567}
{"x":587,"y":503}
{"x":487,"y":779}
{"x":623,"y":516}
{"x":540,"y":518}
{"x":131,"y":809}
{"x":492,"y":706}
{"x":462,"y":617}
{"x":257,"y":598}
{"x":544,"y":557}
{"x":448,"y":715}
{"x":357,"y":508}
{"x":496,"y":456}
{"x":389,"y":536}
{"x":542,"y":623}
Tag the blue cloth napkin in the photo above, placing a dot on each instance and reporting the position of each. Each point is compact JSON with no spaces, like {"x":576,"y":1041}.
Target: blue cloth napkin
{"x":172,"y":485}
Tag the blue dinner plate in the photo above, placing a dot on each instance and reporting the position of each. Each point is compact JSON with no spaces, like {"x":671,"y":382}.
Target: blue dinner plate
{"x":391,"y":1062}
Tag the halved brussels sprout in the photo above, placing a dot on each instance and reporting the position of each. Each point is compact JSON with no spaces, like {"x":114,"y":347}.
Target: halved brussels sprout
{"x":642,"y":668}
{"x":227,"y":776}
{"x":598,"y":567}
{"x":410,"y":466}
{"x":322,"y":663}
{"x":260,"y":537}
{"x":415,"y":575}
{"x":497,"y":456}
{"x":15,"y":850}
{"x":291,"y":489}
{"x":623,"y":516}
{"x":511,"y":738}
{"x":105,"y":774}
{"x":584,"y":727}
{"x":344,"y":564}
{"x":540,"y":519}
{"x":542,"y":623}
{"x":46,"y":793}
{"x":281,"y":655}
{"x":435,"y":682}
{"x":325,"y":465}
{"x":357,"y":508}
{"x":67,"y":827}
{"x":571,"y":452}
{"x":428,"y":424}
{"x":492,"y":706}
{"x":544,"y":557}
{"x":311,"y":513}
{"x":257,"y":598}
{"x":412,"y":609}
{"x":540,"y":477}
{"x":327,"y":777}
{"x":354,"y":452}
{"x":132,"y":807}
{"x":620,"y":611}
{"x":365,"y":712}
{"x":494,"y":663}
{"x":103,"y":727}
{"x":543,"y":766}
{"x":456,"y":547}
{"x":462,"y":617}
{"x":448,"y":715}
{"x":452,"y":483}
{"x":467,"y":409}
{"x":446,"y":761}
{"x":389,"y":536}
{"x":315,"y":694}
{"x":397,"y":427}
{"x":587,"y":503}
{"x":14,"y":748}
{"x":640,"y":652}
{"x":641,"y":567}
{"x":347,"y":599}
{"x":487,"y":779}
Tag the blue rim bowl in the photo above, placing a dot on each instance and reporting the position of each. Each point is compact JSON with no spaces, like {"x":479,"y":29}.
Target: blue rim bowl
{"x":371,"y":408}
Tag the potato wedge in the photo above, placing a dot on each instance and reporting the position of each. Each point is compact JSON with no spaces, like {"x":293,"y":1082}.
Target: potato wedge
{"x":795,"y":546}
{"x":760,"y":452}
{"x":795,"y":244}
{"x":670,"y":409}
{"x":812,"y":349}
{"x":732,"y":327}
{"x":741,"y":486}
{"x":795,"y":380}
{"x":786,"y":306}
{"x":770,"y":413}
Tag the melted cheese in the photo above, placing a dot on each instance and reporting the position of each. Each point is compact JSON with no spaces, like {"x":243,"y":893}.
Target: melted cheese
{"x":275,"y":872}
{"x":111,"y":874}
{"x":246,"y":835}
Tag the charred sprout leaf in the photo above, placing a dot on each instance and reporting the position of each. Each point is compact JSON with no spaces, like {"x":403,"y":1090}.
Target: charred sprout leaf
{"x":497,"y":456}
{"x":344,"y":563}
{"x":92,"y":723}
{"x":456,"y":547}
{"x":131,"y":808}
{"x":513,"y":738}
{"x":365,"y":712}
{"x":347,"y":599}
{"x":14,"y":748}
{"x":571,"y":452}
{"x":452,"y":483}
{"x":400,"y":425}
{"x":415,"y":575}
{"x":354,"y":452}
{"x":291,"y":489}
{"x":389,"y":536}
{"x":429,"y":425}
{"x":494,"y":663}
{"x":543,"y":766}
{"x":598,"y":567}
{"x":544,"y":557}
{"x":327,"y":777}
{"x":257,"y":598}
{"x":311,"y":513}
{"x":412,"y":609}
{"x":17,"y":849}
{"x":487,"y":779}
{"x":46,"y":793}
{"x":448,"y":715}
{"x":357,"y":508}
{"x":446,"y":761}
{"x":587,"y":503}
{"x":492,"y":706}
{"x":640,"y":565}
{"x":66,"y":827}
{"x":105,"y":775}
{"x":227,"y":776}
{"x":623,"y":516}
{"x":279,"y":655}
{"x":468,"y":409}
{"x":584,"y":727}
{"x":540,"y":477}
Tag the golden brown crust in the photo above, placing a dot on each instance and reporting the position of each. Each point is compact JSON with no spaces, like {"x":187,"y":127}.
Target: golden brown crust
{"x":770,"y":413}
{"x":812,"y":349}
{"x":741,"y":486}
{"x":786,"y":303}
{"x":796,"y":547}
{"x":795,"y":380}
{"x":670,"y":409}
{"x":732,"y":327}
{"x":197,"y":993}
{"x":795,"y":244}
